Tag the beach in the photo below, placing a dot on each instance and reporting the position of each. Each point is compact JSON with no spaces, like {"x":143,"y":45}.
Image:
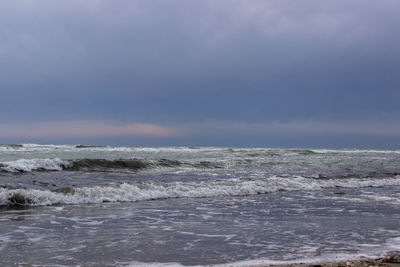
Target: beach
{"x":389,"y":261}
{"x":69,"y":205}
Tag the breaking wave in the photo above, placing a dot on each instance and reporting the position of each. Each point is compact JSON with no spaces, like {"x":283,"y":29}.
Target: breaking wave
{"x":29,"y":165}
{"x":95,"y":165}
{"x":142,"y":191}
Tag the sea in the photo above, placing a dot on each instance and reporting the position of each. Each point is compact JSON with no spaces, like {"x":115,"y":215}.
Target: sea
{"x":78,"y":205}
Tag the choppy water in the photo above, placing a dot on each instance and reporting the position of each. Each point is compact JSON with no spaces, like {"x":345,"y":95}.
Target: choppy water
{"x":107,"y":206}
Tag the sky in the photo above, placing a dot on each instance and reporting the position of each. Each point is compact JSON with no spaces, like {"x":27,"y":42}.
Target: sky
{"x":256,"y":73}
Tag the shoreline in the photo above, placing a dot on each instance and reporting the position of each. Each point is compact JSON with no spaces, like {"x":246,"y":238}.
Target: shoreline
{"x":391,"y":260}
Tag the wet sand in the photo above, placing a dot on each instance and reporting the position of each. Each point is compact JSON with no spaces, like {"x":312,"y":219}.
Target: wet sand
{"x":389,"y":261}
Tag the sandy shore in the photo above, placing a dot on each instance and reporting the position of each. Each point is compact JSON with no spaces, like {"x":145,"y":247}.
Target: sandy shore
{"x":390,"y":260}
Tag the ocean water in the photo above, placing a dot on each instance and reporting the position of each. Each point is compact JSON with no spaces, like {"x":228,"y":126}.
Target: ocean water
{"x":69,"y":205}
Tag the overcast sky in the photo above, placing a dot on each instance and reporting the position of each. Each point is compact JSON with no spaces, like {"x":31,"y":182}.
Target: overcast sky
{"x":261,"y":73}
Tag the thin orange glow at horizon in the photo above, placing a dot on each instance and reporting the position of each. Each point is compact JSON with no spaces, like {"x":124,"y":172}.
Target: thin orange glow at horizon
{"x":85,"y":129}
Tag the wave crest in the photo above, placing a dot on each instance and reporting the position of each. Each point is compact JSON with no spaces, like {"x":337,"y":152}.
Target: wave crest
{"x":141,"y":191}
{"x":96,"y":165}
{"x":29,"y":165}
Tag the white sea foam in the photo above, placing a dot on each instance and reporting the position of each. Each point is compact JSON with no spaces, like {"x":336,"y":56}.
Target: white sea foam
{"x":373,"y":251}
{"x":339,"y":257}
{"x":311,"y":260}
{"x":34,"y":148}
{"x":77,"y":148}
{"x":323,"y":151}
{"x":130,"y":192}
{"x":28,"y":165}
{"x":151,"y":264}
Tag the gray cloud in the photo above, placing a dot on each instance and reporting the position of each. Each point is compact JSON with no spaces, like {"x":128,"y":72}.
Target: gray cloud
{"x":182,"y":62}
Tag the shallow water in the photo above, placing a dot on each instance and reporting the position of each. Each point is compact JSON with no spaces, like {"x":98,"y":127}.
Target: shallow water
{"x":206,"y":206}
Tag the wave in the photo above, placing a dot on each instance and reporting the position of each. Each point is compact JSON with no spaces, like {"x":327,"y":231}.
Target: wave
{"x":88,"y":146}
{"x":302,"y":151}
{"x":110,"y":165}
{"x":32,"y":148}
{"x":23,"y":148}
{"x":354,"y":151}
{"x":29,"y":165}
{"x":96,"y":165}
{"x":142,"y":191}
